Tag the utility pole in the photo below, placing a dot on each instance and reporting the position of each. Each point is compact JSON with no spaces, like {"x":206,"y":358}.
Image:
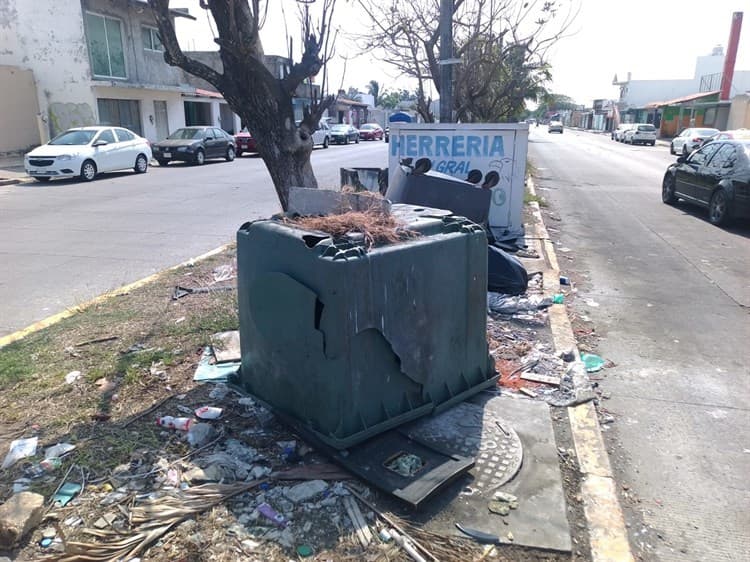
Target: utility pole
{"x":446,"y":61}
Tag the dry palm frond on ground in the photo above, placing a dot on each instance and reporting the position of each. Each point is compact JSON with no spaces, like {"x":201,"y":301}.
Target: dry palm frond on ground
{"x":151,"y":520}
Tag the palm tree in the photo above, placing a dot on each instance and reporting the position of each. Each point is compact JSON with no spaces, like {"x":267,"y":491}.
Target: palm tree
{"x":373,"y":88}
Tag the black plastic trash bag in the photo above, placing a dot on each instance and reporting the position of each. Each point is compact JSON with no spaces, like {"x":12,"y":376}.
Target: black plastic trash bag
{"x":505,"y":273}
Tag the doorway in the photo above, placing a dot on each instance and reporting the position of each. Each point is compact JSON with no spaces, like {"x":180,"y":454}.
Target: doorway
{"x":161,"y":119}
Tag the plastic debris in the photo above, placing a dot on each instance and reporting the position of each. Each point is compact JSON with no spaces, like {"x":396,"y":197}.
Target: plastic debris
{"x":304,"y":551}
{"x":20,"y":449}
{"x":208,"y":412}
{"x":181,"y":424}
{"x":72,"y":377}
{"x":57,"y":451}
{"x":405,"y":464}
{"x":271,"y":514}
{"x":223,"y":273}
{"x":51,"y":464}
{"x":509,"y":304}
{"x":592,"y":362}
{"x":385,"y":535}
{"x":66,"y":493}
{"x":559,"y":298}
{"x":505,"y":273}
{"x":564,"y":280}
{"x":214,"y":372}
{"x":200,"y":434}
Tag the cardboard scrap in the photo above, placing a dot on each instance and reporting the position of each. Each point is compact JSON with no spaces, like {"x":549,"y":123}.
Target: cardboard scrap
{"x":226,"y":346}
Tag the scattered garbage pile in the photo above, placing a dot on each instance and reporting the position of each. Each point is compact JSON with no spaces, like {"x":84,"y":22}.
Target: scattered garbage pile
{"x":526,"y":358}
{"x":269,"y":495}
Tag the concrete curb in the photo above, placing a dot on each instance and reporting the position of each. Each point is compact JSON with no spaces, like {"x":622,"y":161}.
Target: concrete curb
{"x":55,"y":318}
{"x":608,"y":536}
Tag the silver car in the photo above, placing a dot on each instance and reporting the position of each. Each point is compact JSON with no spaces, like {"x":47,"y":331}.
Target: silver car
{"x":555,"y":127}
{"x":690,"y":139}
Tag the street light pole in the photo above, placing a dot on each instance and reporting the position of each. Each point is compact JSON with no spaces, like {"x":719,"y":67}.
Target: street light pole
{"x":446,"y":54}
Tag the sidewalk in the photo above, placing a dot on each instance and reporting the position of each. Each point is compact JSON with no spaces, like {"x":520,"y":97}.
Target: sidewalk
{"x":12,"y":171}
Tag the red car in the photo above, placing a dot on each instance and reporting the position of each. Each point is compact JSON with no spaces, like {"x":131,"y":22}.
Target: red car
{"x":370,"y":131}
{"x":244,"y":142}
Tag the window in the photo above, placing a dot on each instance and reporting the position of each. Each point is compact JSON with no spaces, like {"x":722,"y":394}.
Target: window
{"x":106,"y":135}
{"x":151,"y":41}
{"x":123,"y":113}
{"x":703,"y":155}
{"x":105,"y":46}
{"x":725,"y":157}
{"x":124,"y":135}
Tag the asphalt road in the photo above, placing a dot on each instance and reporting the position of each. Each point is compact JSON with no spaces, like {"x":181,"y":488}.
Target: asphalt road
{"x":669,"y":294}
{"x":64,"y":242}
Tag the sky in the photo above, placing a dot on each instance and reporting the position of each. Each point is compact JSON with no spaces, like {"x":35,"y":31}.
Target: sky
{"x":651,"y":39}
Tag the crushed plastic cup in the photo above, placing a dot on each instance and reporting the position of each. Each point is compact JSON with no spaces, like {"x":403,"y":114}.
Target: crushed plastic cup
{"x":182,"y":424}
{"x":51,"y":464}
{"x":593,"y":363}
{"x":208,"y":412}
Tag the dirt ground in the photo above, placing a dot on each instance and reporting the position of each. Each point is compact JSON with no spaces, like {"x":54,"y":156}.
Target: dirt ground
{"x":147,"y":494}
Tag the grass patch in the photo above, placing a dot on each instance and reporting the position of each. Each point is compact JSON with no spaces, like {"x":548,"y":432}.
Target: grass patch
{"x":528,"y":198}
{"x":113,"y":344}
{"x":530,"y":168}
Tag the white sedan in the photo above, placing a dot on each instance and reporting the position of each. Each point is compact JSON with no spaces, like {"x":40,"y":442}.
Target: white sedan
{"x":690,"y":139}
{"x":87,"y":151}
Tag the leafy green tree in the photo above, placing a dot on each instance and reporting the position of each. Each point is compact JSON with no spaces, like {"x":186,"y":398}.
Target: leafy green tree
{"x":373,"y":88}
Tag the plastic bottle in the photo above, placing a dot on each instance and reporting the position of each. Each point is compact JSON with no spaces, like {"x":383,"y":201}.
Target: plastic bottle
{"x":182,"y":424}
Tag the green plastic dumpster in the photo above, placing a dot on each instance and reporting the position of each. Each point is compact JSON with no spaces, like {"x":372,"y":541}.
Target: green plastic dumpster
{"x":352,"y":342}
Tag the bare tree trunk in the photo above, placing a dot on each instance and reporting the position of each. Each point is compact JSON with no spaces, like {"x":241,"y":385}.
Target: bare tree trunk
{"x":263,"y":101}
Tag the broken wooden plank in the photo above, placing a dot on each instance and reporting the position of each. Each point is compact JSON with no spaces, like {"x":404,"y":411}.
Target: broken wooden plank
{"x":358,"y":521}
{"x":536,"y":377}
{"x":528,"y":392}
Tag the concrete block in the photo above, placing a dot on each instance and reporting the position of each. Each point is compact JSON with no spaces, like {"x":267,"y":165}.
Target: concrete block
{"x":306,"y":201}
{"x":19,"y":515}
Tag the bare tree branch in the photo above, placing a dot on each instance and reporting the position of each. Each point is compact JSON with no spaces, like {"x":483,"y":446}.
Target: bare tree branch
{"x":173,"y":54}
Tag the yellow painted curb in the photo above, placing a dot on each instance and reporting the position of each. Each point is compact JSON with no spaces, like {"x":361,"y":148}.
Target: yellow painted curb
{"x":55,"y":318}
{"x":608,"y":536}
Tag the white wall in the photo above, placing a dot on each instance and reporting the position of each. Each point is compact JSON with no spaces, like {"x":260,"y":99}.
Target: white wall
{"x":709,"y":64}
{"x":642,"y":92}
{"x":48,"y":38}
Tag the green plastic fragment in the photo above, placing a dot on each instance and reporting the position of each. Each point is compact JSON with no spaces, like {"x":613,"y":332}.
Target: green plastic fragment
{"x":592,"y":362}
{"x":66,"y":493}
{"x":304,"y":551}
{"x":558,"y":298}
